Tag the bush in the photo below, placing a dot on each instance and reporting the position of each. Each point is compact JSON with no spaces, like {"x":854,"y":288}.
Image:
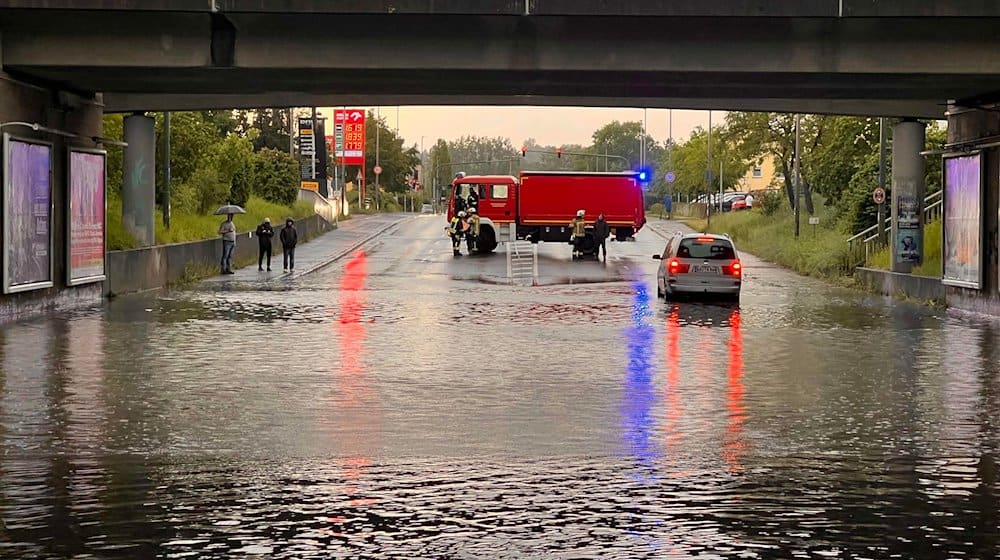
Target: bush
{"x":276,"y":177}
{"x":769,"y":202}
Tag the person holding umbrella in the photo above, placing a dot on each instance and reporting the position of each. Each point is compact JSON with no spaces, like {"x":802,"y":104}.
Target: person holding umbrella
{"x":228,"y":232}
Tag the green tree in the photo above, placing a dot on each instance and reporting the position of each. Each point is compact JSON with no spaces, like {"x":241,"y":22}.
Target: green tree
{"x":276,"y":176}
{"x":755,"y":135}
{"x":114,"y":130}
{"x":498,"y":153}
{"x":192,"y":141}
{"x":397,"y":162}
{"x":625,"y":139}
{"x":691,"y":162}
{"x":440,"y":161}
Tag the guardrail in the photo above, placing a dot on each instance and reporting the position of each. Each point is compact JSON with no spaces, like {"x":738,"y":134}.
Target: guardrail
{"x":868,"y":241}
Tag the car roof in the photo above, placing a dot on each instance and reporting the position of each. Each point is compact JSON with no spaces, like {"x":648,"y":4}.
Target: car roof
{"x":721,"y":237}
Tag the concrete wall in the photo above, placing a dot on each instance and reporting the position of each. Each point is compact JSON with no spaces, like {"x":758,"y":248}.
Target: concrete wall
{"x":897,"y":284}
{"x":327,"y":208}
{"x":29,"y":103}
{"x":151,"y":268}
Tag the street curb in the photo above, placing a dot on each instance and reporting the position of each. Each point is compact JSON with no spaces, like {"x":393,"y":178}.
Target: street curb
{"x":337,"y":256}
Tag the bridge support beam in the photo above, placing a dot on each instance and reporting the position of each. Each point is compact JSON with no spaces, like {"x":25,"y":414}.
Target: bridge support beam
{"x":139,"y":179}
{"x":907,"y":195}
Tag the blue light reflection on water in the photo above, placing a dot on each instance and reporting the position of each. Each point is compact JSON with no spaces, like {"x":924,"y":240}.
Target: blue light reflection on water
{"x":639,"y":397}
{"x":639,"y":401}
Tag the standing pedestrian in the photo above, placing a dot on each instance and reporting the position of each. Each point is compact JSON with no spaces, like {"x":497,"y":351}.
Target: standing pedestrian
{"x":289,"y":239}
{"x":264,"y":234}
{"x":228,"y":232}
{"x":579,"y":233}
{"x":601,"y":232}
{"x":749,"y":201}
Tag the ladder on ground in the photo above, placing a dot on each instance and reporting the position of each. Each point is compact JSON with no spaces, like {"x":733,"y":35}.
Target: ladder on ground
{"x":522,"y":263}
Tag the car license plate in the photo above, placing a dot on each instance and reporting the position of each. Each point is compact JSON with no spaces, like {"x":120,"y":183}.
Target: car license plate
{"x":705,"y":269}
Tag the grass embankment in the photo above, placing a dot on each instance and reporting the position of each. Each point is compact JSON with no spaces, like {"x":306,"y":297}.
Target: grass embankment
{"x":932,"y":253}
{"x":821,"y":252}
{"x":195,"y":227}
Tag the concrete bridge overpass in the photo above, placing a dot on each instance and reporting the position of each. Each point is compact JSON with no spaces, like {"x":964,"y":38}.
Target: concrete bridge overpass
{"x":902,"y":58}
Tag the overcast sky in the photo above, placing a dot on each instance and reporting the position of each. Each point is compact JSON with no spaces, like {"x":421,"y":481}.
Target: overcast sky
{"x":548,"y":125}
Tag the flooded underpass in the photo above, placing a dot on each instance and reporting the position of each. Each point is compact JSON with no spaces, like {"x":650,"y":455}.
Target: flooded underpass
{"x":391,"y":405}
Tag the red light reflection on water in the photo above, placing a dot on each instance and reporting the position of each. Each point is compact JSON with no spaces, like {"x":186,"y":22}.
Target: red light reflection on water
{"x":674,"y":406}
{"x":734,"y":447}
{"x":355,"y":398}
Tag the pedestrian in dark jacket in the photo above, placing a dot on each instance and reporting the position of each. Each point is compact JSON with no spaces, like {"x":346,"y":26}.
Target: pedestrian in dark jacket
{"x":289,"y":238}
{"x":601,"y":232}
{"x":264,"y":234}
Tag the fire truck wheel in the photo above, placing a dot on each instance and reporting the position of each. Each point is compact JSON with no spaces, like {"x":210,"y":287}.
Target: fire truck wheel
{"x":487,"y":240}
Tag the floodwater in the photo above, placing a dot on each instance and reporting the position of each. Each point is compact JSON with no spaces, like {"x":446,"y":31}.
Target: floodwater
{"x":394,"y":406}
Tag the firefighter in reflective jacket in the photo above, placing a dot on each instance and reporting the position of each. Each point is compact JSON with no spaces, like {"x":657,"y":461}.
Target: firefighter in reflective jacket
{"x":456,"y":229}
{"x":472,"y":237}
{"x":579,"y":227}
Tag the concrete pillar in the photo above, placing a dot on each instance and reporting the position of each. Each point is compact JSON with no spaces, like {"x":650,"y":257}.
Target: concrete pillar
{"x":139,"y":179}
{"x":907,"y":195}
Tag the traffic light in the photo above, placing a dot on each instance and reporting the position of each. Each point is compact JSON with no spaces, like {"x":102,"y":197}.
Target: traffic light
{"x":524,"y":151}
{"x":559,"y":152}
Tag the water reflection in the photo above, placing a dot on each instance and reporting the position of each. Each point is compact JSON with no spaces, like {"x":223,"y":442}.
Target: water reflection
{"x":356,"y":402}
{"x":639,"y":396}
{"x":734,"y":446}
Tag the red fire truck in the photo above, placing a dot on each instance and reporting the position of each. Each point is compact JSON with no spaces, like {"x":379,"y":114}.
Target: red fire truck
{"x":539,"y":205}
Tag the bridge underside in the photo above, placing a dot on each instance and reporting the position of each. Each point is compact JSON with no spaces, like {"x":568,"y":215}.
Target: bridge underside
{"x":158,"y":60}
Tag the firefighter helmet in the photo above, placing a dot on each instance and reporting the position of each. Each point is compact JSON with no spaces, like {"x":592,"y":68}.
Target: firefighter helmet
{"x":461,"y":214}
{"x":580,"y":213}
{"x":472,"y":210}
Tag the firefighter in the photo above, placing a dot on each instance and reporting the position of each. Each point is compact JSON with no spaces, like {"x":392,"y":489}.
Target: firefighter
{"x":472,"y":237}
{"x":579,"y":226}
{"x":455,"y":230}
{"x":473,"y":196}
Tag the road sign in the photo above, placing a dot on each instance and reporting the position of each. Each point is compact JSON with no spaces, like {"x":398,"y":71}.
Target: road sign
{"x":377,"y":169}
{"x":813,"y":220}
{"x":879,"y":195}
{"x":351,"y":151}
{"x":670,"y":177}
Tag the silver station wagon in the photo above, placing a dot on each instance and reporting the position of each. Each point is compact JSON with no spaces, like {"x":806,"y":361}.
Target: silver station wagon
{"x":699,"y":265}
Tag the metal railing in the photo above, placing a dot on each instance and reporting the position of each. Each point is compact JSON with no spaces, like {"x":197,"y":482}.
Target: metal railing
{"x":868,"y":241}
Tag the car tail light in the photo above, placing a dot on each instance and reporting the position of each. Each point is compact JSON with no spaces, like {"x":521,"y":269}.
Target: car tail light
{"x":675,"y":266}
{"x":734,"y":269}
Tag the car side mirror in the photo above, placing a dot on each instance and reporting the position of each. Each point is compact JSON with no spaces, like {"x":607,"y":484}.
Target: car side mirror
{"x":657,"y":257}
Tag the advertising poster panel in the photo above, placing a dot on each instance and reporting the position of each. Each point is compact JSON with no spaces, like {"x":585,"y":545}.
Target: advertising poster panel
{"x":27,"y":215}
{"x":963,"y":195}
{"x":909,"y":243}
{"x":87,"y":207}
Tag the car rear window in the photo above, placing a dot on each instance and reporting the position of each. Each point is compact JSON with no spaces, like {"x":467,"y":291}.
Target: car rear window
{"x":718,"y":249}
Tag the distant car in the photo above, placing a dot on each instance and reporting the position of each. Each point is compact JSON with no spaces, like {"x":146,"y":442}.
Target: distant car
{"x":738,"y":203}
{"x":699,"y":264}
{"x":426,"y":209}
